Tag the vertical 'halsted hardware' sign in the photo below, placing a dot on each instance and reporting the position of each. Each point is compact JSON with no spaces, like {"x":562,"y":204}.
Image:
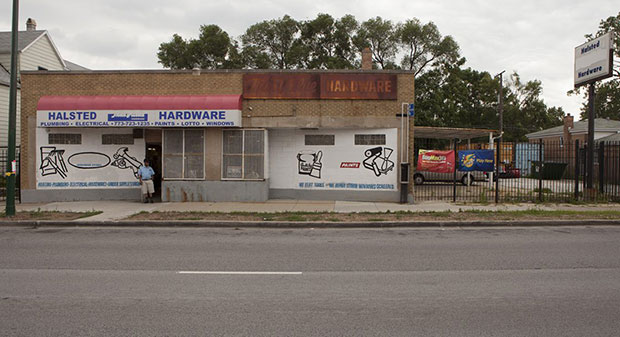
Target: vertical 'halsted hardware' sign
{"x":320,"y":86}
{"x":593,"y":60}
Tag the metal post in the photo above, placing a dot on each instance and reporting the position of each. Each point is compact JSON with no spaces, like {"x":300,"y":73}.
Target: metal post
{"x":540,"y":170}
{"x":491,"y":147}
{"x":501,"y":104}
{"x":601,"y":167}
{"x":590,"y":155}
{"x":577,"y":169}
{"x":500,"y":110}
{"x":10,"y":170}
{"x":497,"y":166}
{"x":454,"y":177}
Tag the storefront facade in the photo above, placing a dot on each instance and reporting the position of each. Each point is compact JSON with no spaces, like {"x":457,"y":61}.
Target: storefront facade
{"x":215,"y":135}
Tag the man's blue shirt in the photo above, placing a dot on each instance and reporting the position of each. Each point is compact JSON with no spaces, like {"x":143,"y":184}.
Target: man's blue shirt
{"x":146,"y":172}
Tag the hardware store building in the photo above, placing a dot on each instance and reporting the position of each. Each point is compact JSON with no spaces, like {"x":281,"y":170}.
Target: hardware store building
{"x":215,"y":135}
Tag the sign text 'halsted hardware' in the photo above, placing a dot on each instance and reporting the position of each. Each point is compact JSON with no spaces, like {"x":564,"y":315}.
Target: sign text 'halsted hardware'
{"x":140,"y":118}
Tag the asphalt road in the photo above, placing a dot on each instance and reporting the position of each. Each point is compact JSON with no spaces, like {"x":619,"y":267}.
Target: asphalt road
{"x":304,"y":282}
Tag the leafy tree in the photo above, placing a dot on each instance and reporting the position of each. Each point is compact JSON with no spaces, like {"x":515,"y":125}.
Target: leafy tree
{"x":423,"y":45}
{"x":525,"y":111}
{"x":380,"y":36}
{"x":454,"y":97}
{"x":174,"y":54}
{"x":273,"y":43}
{"x":210,"y":51}
{"x":326,"y":43}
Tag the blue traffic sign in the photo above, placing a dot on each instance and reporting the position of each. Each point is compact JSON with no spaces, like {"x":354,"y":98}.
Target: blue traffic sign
{"x":411,"y":110}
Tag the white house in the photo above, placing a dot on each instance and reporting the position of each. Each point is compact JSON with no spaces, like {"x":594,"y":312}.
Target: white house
{"x":36,"y":51}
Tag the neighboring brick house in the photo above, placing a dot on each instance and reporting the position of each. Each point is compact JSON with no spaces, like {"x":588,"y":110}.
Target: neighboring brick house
{"x":571,"y":131}
{"x":559,"y":141}
{"x":36,"y":51}
{"x":217,"y":135}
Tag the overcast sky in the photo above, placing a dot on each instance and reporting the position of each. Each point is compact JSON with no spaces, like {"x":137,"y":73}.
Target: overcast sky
{"x":536,"y":38}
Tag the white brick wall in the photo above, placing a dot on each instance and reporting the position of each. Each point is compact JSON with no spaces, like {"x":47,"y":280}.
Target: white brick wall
{"x":285,"y":145}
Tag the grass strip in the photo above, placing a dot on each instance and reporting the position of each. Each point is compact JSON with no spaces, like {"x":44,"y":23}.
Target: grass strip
{"x":380,"y":216}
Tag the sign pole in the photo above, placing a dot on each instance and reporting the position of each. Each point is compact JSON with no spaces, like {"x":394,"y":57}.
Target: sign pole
{"x":590,"y":148}
{"x":10,"y":171}
{"x":593,"y":62}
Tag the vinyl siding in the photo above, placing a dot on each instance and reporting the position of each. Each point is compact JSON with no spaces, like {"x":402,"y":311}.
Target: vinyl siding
{"x":4,"y":116}
{"x":40,"y":54}
{"x":5,"y":60}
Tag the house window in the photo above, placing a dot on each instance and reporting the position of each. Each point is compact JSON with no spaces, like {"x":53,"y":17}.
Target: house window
{"x":64,"y":138}
{"x":370,"y":139}
{"x":117,"y":139}
{"x":320,"y":139}
{"x":243,"y":154}
{"x":184,"y":154}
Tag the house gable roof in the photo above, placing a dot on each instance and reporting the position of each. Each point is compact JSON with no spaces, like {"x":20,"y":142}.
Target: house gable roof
{"x":612,"y":138}
{"x":5,"y":77}
{"x":25,"y":40}
{"x":74,"y":66}
{"x":600,"y":125}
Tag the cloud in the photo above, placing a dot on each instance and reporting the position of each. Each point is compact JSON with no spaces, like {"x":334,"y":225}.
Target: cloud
{"x":535,"y":38}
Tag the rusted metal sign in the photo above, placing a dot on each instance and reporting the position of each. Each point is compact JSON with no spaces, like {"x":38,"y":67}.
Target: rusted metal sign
{"x":281,"y":86}
{"x":358,"y":86}
{"x":319,"y":86}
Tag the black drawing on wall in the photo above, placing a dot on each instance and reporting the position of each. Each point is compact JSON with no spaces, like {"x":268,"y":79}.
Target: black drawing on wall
{"x":309,"y":163}
{"x":89,"y":160}
{"x":123,"y":160}
{"x":378,"y":160}
{"x":52,"y":162}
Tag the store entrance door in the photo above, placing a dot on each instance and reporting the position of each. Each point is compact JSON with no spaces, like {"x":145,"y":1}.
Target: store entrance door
{"x":153,"y":154}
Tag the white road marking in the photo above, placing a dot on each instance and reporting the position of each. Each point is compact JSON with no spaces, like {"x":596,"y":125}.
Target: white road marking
{"x":241,"y":272}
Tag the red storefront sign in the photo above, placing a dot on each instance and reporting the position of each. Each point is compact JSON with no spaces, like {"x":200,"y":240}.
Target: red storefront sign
{"x":436,"y":161}
{"x":350,"y":165}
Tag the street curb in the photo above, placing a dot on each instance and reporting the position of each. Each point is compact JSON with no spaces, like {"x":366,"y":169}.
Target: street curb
{"x":307,"y":224}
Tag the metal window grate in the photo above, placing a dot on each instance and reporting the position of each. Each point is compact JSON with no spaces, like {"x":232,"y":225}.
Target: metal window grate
{"x":117,"y":139}
{"x":370,"y":139}
{"x":65,"y":138}
{"x":243,"y":155}
{"x":320,"y":139}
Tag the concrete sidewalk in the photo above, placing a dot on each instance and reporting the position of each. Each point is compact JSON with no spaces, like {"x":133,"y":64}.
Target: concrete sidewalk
{"x":118,"y":210}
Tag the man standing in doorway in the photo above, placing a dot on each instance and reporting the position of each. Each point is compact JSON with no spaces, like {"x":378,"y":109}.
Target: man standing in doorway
{"x":146,"y":174}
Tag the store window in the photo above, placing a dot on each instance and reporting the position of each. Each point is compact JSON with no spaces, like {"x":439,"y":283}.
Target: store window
{"x":243,"y":154}
{"x":64,"y":138}
{"x":117,"y":139}
{"x":184,"y":154}
{"x":370,"y":139}
{"x":320,"y":139}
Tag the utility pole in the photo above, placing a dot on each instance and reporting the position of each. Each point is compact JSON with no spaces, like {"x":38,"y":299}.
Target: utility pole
{"x":500,"y":109}
{"x":501,"y":103}
{"x":10,"y":163}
